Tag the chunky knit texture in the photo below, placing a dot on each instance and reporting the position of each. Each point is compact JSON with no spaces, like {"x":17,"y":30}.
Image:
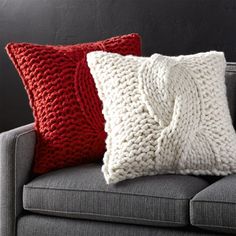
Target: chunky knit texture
{"x":164,"y":115}
{"x":66,"y":107}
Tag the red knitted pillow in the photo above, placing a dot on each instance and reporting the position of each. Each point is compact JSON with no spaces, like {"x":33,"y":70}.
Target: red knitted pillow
{"x":67,"y":111}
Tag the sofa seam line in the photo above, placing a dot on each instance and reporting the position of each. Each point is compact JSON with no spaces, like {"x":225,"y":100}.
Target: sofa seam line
{"x":98,"y":191}
{"x":124,"y":217}
{"x":215,"y":226}
{"x":212,"y":202}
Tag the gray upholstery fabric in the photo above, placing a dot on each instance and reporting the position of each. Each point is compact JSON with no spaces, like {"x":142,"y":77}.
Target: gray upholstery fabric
{"x":36,"y":225}
{"x":81,"y":192}
{"x":215,"y":207}
{"x":16,"y":155}
{"x":231,"y":89}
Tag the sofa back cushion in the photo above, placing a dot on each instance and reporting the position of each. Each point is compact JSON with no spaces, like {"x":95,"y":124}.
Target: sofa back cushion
{"x":231,"y":89}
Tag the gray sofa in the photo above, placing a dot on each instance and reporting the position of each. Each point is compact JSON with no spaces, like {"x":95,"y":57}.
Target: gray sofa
{"x":76,"y":201}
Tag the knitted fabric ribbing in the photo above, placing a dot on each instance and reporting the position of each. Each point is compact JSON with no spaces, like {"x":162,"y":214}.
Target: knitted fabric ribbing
{"x":67,"y":110}
{"x":164,"y":115}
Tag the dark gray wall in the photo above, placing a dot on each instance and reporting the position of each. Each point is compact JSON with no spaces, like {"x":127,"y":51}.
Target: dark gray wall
{"x":167,"y":26}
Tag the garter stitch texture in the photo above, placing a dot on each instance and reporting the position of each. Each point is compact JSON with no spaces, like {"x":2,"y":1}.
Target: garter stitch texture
{"x":164,"y":115}
{"x":66,"y":107}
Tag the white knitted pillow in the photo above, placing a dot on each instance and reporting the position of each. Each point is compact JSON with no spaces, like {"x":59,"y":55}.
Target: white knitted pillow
{"x":164,"y":114}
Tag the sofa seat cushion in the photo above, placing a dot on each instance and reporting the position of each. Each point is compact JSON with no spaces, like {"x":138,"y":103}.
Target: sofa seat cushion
{"x":81,"y":192}
{"x":214,"y":208}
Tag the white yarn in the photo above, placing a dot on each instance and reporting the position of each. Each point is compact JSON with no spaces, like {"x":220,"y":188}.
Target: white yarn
{"x":164,"y":115}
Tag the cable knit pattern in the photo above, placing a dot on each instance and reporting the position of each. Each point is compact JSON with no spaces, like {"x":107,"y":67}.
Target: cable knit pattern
{"x":164,"y":115}
{"x":67,"y":110}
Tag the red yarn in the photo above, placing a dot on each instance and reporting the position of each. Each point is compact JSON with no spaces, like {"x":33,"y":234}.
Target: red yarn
{"x":67,"y":110}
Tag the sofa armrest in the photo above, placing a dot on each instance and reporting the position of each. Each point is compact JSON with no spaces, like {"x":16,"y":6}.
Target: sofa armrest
{"x":16,"y":156}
